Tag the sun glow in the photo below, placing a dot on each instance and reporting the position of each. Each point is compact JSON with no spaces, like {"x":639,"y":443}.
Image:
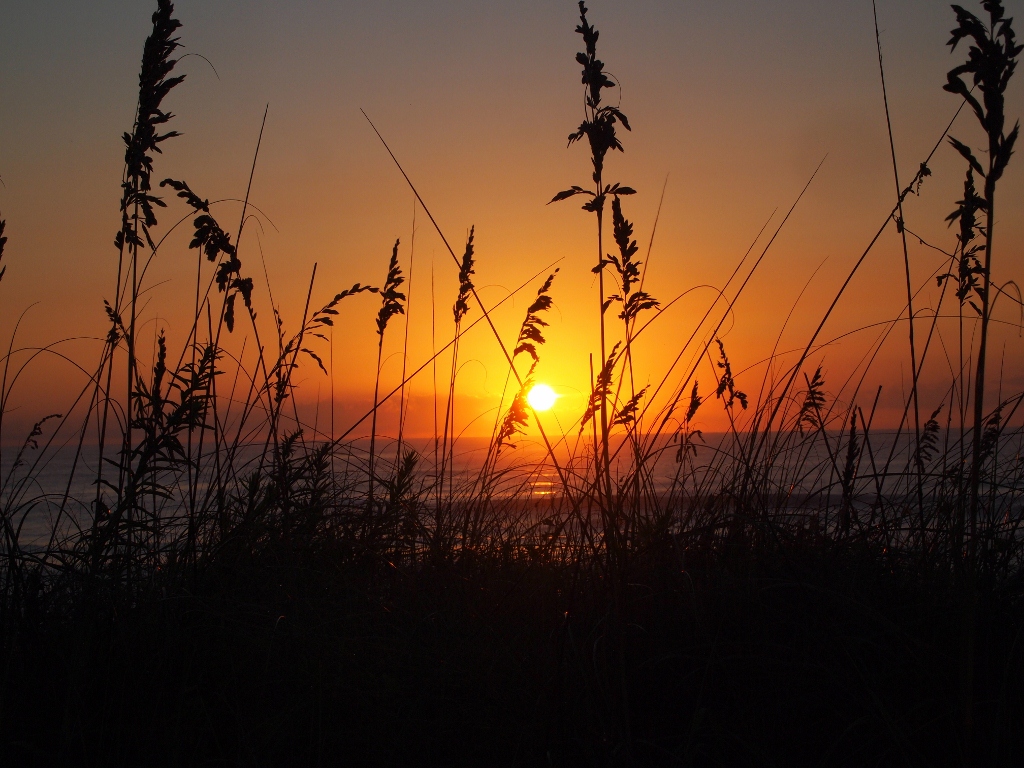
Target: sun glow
{"x":541,"y":397}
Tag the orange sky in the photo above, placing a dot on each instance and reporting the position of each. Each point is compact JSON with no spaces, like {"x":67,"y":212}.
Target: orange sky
{"x":734,"y":103}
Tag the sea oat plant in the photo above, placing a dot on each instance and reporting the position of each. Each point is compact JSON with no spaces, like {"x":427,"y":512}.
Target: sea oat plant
{"x":599,"y":128}
{"x":991,"y":62}
{"x":232,"y":560}
{"x":138,"y":217}
{"x":391,"y":305}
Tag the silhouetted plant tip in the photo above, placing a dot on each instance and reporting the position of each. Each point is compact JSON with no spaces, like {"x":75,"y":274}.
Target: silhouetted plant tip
{"x":991,"y":62}
{"x":322,"y":318}
{"x":531,"y":332}
{"x":930,"y":437}
{"x":626,"y":415}
{"x":401,"y":486}
{"x":185,"y":193}
{"x":213,"y":241}
{"x":628,"y":268}
{"x":3,"y":243}
{"x":154,"y":85}
{"x":326,"y":314}
{"x":599,"y":124}
{"x":391,"y":297}
{"x":602,"y":387}
{"x":31,"y":441}
{"x":726,"y":382}
{"x":517,"y":418}
{"x":993,"y":429}
{"x":814,"y":401}
{"x":466,"y":271}
{"x":209,"y":237}
{"x":969,"y":268}
{"x":599,"y":127}
{"x":531,"y":335}
{"x":622,"y":228}
{"x":922,"y":173}
{"x":116,"y":324}
{"x":695,"y":403}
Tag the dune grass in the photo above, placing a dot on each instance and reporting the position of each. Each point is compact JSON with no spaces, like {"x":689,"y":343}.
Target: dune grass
{"x":242,"y":588}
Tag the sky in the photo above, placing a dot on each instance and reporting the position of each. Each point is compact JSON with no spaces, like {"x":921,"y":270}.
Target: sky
{"x":733,"y":104}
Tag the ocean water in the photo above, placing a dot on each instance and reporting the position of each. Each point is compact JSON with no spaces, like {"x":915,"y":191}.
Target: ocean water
{"x":56,"y":490}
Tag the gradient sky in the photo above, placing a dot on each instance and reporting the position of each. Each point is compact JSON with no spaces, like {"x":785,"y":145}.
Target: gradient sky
{"x":735,"y":102}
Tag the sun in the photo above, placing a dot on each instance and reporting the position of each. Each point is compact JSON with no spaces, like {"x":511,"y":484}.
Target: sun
{"x":541,"y":397}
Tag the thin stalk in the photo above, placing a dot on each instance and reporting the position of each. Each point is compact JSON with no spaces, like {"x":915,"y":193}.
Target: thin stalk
{"x":901,"y":226}
{"x":433,"y":358}
{"x":405,"y":342}
{"x":979,"y":383}
{"x":373,"y":422}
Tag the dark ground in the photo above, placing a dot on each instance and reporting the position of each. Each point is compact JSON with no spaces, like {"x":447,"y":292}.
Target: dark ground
{"x":812,"y":658}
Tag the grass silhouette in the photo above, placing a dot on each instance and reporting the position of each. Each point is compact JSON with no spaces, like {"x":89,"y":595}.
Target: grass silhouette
{"x":241,"y":588}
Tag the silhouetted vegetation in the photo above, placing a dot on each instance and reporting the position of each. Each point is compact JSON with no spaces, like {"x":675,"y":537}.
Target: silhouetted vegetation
{"x":240,"y":588}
